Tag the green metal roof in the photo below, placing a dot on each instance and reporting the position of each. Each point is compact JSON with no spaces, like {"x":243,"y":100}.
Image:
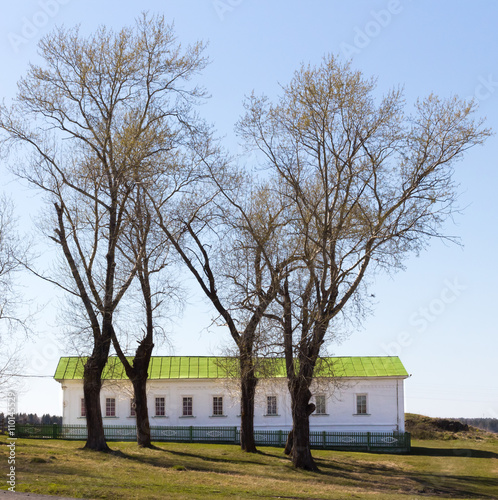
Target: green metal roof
{"x":202,"y":367}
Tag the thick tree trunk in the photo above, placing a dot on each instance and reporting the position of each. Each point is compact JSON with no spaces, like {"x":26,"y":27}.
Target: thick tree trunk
{"x":138,"y":374}
{"x":300,"y":441}
{"x":92,"y":384}
{"x":301,"y":451}
{"x":248,"y":391}
{"x":299,"y":380}
{"x":248,"y":383}
{"x":141,"y":410}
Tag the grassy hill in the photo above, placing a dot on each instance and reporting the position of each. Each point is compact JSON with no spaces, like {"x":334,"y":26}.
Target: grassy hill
{"x":422,"y":427}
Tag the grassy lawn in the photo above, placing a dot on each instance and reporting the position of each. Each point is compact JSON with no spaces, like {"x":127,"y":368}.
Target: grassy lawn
{"x":435,"y":469}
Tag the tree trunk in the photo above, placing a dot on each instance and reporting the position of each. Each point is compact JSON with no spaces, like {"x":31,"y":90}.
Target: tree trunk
{"x":299,"y":380}
{"x":289,"y":442}
{"x":138,"y":374}
{"x":300,"y":441}
{"x":141,"y":410}
{"x":248,"y":383}
{"x":92,"y":384}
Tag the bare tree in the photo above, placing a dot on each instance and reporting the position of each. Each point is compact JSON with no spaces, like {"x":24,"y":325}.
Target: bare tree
{"x":366,"y":184}
{"x":12,"y":255}
{"x":10,"y":260}
{"x":148,"y":248}
{"x":92,"y":124}
{"x":228,"y":241}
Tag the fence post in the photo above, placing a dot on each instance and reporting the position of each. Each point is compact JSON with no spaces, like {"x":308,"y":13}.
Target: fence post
{"x":235,"y":435}
{"x":368,"y":441}
{"x":191,"y":432}
{"x":55,"y":429}
{"x":408,"y":442}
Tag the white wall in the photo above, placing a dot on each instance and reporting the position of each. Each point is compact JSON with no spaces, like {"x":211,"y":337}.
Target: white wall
{"x":385,"y":403}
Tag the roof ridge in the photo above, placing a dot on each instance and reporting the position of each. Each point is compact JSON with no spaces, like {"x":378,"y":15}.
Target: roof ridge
{"x":232,"y":357}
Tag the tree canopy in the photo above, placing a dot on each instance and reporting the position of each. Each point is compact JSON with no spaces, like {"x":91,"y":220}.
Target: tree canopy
{"x":100,"y":118}
{"x":363,"y":184}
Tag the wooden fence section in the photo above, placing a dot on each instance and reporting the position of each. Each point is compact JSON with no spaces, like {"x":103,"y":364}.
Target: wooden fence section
{"x":395,"y":442}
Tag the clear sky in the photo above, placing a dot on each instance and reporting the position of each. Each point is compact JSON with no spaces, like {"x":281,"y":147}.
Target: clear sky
{"x":439,"y":314}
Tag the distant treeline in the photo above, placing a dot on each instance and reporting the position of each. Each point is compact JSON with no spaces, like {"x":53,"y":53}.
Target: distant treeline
{"x":33,"y":418}
{"x":486,"y":424}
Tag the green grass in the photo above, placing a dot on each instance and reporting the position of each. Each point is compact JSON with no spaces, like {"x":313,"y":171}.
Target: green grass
{"x":435,"y":469}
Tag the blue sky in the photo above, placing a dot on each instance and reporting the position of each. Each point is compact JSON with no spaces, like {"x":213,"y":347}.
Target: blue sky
{"x":438,"y":315}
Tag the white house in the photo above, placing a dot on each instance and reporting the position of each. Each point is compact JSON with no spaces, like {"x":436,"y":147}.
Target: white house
{"x":351,"y":394}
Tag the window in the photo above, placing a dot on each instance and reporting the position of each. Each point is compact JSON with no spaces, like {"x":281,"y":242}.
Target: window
{"x":271,"y":405}
{"x":361,"y":404}
{"x":320,"y":405}
{"x":110,"y":407}
{"x":132,"y":407}
{"x":160,"y":407}
{"x":217,"y":406}
{"x":187,"y":406}
{"x":82,"y":408}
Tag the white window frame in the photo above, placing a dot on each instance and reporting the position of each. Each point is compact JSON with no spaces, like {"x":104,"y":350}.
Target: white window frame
{"x":357,"y":404}
{"x":215,"y":410}
{"x":187,"y":415}
{"x":323,"y":397}
{"x":271,"y":408}
{"x":163,"y":406}
{"x":133,"y":405}
{"x":110,"y":407}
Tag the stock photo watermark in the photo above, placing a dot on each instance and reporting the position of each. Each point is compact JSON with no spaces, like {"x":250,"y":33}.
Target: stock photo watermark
{"x":224,"y":7}
{"x":425,"y":315}
{"x":32,"y":24}
{"x":378,"y":22}
{"x":12,"y":439}
{"x":43,"y":358}
{"x":485,"y":89}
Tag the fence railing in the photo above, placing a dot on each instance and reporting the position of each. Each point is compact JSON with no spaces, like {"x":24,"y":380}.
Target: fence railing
{"x":361,"y":441}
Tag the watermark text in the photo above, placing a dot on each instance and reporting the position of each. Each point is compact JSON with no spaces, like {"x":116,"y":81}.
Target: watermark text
{"x":31,"y":25}
{"x":379,"y":20}
{"x":11,"y":443}
{"x":425,"y":315}
{"x":223,"y":7}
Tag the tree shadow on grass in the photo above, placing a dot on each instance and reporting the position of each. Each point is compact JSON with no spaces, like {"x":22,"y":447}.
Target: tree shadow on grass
{"x":381,"y":477}
{"x":452,"y":452}
{"x":387,"y":477}
{"x":228,"y":460}
{"x":192,"y":461}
